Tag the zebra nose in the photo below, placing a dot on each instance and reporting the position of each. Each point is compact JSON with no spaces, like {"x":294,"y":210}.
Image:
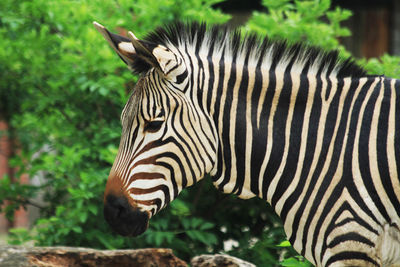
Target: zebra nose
{"x":123,"y":218}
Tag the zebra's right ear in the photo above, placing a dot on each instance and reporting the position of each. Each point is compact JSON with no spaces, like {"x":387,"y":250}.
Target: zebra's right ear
{"x":122,"y":45}
{"x":160,"y":57}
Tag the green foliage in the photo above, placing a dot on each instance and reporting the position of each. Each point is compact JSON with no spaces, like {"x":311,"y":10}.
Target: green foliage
{"x":296,"y":261}
{"x":158,"y":12}
{"x":62,"y":90}
{"x":301,"y":21}
{"x":14,"y":193}
{"x":386,"y":65}
{"x":293,"y":261}
{"x":19,"y":236}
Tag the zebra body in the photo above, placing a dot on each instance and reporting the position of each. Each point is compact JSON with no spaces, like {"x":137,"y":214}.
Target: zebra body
{"x":316,"y":138}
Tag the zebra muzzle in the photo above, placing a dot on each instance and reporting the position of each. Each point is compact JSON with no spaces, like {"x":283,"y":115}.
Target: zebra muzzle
{"x":123,"y":218}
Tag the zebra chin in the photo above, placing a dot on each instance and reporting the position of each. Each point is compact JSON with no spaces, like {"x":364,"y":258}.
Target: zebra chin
{"x":123,"y":218}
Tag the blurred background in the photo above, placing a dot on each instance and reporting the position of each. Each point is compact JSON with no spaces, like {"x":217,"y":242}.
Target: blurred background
{"x":62,"y":90}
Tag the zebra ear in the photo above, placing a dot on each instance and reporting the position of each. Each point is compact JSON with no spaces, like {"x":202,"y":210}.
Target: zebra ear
{"x":170,"y":64}
{"x":120,"y":44}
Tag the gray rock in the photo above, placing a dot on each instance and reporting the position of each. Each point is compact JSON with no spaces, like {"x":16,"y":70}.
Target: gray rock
{"x":219,"y":260}
{"x":15,"y":256}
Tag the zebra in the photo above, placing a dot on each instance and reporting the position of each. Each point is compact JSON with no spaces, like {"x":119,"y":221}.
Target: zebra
{"x":313,"y":135}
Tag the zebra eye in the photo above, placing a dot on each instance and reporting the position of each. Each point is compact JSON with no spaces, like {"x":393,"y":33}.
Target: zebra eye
{"x":153,"y":126}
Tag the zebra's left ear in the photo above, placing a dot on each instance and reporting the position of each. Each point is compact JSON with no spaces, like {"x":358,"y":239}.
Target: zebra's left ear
{"x":160,"y":57}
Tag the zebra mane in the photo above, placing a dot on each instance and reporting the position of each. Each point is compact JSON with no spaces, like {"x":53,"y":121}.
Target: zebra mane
{"x":200,"y":39}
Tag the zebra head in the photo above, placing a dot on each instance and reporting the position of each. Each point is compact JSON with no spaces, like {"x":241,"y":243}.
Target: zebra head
{"x":164,"y":136}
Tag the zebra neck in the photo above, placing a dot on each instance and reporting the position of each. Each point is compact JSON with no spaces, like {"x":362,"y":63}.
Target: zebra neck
{"x":264,"y":121}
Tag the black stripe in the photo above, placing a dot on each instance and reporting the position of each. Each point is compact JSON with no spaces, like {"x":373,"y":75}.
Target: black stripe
{"x":350,"y":255}
{"x":240,"y":129}
{"x":221,"y":77}
{"x":259,"y":141}
{"x":350,"y":236}
{"x":227,"y":153}
{"x":265,"y":113}
{"x":397,"y":131}
{"x":383,"y":165}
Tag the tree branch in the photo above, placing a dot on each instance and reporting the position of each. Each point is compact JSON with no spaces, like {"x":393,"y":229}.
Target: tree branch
{"x":25,"y":202}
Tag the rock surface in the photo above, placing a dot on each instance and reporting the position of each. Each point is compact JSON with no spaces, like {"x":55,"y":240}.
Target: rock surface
{"x":219,"y":260}
{"x":15,"y":256}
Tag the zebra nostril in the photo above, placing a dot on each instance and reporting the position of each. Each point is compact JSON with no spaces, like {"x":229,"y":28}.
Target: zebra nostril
{"x":123,"y":218}
{"x":115,"y":207}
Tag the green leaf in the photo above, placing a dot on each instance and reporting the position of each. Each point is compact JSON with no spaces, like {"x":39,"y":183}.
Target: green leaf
{"x":93,"y":209}
{"x":77,"y":229}
{"x":105,"y":242}
{"x":206,"y":226}
{"x":285,"y":243}
{"x":296,"y":262}
{"x":83,"y":217}
{"x":158,"y":238}
{"x":196,"y":222}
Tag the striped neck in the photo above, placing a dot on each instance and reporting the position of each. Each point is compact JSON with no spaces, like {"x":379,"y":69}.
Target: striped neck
{"x":265,"y":115}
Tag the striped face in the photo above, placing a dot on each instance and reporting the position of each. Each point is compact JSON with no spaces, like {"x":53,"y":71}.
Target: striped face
{"x":164,"y":137}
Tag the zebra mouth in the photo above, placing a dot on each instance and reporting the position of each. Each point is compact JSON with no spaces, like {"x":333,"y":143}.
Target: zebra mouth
{"x":123,"y":218}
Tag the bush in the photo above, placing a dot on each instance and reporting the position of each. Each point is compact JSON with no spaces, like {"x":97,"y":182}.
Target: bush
{"x":62,"y":90}
{"x":302,"y":21}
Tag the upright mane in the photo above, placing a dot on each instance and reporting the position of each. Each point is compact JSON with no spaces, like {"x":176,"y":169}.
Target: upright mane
{"x":200,"y":38}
